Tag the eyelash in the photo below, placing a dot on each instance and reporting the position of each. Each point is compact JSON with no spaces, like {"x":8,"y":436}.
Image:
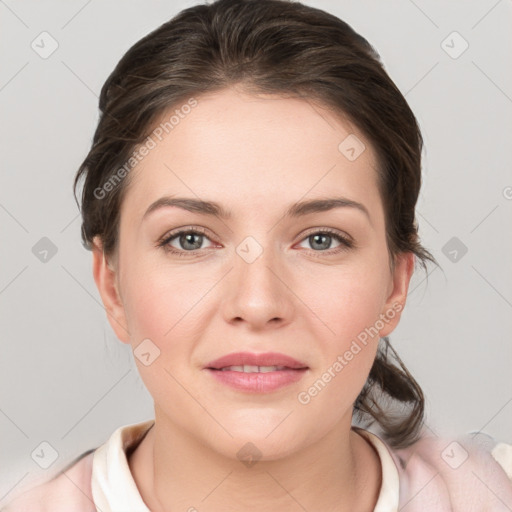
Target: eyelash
{"x":346,"y":243}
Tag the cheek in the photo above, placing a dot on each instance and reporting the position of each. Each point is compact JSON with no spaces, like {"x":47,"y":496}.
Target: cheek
{"x":158,"y":299}
{"x":348,"y":303}
{"x":160,"y":307}
{"x":348,"y":306}
{"x":171,"y":307}
{"x":151,"y":308}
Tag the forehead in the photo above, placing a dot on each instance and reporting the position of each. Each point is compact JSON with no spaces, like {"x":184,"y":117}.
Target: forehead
{"x":245,"y":149}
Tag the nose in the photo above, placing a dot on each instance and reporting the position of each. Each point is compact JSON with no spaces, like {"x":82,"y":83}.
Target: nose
{"x":256,"y":290}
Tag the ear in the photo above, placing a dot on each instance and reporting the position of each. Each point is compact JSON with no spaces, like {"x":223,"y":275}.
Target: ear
{"x":105,"y":278}
{"x":397,"y":292}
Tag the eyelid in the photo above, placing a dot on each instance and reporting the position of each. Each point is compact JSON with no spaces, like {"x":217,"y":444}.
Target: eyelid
{"x":183,"y":229}
{"x":330,"y":231}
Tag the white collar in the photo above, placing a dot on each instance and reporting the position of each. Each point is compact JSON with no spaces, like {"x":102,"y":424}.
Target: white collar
{"x":115,"y":490}
{"x":112,"y":483}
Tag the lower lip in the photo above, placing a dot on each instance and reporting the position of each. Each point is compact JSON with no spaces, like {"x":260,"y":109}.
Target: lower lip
{"x":258,"y":382}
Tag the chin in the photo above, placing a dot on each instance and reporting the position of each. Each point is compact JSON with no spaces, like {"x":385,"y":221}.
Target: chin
{"x":259,"y":438}
{"x":251,"y":449}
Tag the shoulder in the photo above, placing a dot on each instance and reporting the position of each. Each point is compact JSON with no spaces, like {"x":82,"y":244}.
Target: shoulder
{"x":88,"y":480}
{"x":469,"y":470}
{"x":69,"y":490}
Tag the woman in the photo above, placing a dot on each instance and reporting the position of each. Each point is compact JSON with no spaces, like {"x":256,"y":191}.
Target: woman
{"x":249,"y":200}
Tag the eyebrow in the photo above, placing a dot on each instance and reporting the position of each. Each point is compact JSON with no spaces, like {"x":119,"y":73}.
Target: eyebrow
{"x":212,"y":208}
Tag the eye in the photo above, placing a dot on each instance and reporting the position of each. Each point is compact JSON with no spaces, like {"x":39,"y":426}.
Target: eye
{"x":188,"y":241}
{"x":321,"y":240}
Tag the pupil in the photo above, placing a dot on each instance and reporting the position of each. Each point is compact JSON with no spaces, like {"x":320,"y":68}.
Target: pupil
{"x":186,"y":239}
{"x":324,"y":245}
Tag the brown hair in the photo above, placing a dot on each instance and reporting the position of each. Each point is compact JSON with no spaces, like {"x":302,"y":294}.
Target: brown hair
{"x":275,"y":47}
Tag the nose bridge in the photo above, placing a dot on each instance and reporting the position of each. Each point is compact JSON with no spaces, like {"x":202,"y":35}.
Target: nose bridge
{"x":258,"y":293}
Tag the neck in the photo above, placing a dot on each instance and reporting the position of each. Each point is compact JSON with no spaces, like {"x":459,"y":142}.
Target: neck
{"x":173,"y":471}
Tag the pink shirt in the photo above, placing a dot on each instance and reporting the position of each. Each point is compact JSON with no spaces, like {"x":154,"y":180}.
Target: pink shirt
{"x":467,"y":474}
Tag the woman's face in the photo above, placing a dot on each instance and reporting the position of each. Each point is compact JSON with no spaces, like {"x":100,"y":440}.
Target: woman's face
{"x":261,"y":280}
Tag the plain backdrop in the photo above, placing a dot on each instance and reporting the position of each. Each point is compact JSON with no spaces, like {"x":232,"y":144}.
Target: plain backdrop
{"x":64,"y":377}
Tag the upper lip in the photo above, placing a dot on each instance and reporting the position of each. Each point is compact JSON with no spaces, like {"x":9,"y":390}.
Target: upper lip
{"x":247,"y":358}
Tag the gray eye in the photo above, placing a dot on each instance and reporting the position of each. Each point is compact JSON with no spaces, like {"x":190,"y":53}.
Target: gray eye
{"x":320,"y":241}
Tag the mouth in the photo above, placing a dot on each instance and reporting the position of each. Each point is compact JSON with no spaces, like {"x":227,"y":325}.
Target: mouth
{"x":248,"y":362}
{"x":256,"y":373}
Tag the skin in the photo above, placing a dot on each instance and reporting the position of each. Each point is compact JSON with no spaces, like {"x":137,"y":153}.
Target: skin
{"x":255,"y":155}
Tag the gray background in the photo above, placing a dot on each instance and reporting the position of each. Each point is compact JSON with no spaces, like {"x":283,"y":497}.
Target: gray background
{"x":64,"y":377}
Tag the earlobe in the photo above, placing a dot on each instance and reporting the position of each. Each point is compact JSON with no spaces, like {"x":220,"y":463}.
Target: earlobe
{"x":395,"y":303}
{"x":105,"y":278}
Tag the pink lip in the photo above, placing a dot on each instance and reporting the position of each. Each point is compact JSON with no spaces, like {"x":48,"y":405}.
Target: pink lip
{"x":246,"y":358}
{"x":257,"y":382}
